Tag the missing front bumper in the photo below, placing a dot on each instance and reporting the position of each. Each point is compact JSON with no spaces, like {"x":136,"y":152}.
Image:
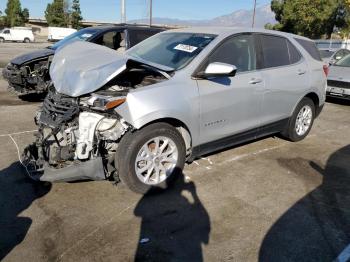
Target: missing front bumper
{"x":88,"y":170}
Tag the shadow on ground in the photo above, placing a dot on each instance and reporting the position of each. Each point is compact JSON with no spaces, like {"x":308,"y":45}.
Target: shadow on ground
{"x":334,"y":100}
{"x":17,"y":193}
{"x":317,"y":227}
{"x":174,"y":224}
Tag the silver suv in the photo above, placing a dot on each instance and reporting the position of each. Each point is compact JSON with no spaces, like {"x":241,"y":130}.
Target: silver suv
{"x":174,"y":97}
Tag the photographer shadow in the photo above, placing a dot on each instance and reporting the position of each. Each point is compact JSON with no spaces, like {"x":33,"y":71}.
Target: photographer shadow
{"x":317,"y":227}
{"x":174,"y":224}
{"x":17,"y":193}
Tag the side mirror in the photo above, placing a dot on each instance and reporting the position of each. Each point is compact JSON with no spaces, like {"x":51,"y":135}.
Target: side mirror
{"x":217,"y":69}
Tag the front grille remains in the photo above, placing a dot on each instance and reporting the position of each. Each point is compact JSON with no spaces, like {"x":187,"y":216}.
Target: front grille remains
{"x":58,"y":108}
{"x":340,"y":84}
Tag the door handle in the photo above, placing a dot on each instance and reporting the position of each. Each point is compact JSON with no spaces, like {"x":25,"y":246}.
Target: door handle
{"x":301,"y":72}
{"x":254,"y":81}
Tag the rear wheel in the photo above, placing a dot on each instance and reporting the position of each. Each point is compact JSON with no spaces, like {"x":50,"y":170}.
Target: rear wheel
{"x":2,"y":40}
{"x":26,"y":40}
{"x":301,"y":121}
{"x":151,"y":157}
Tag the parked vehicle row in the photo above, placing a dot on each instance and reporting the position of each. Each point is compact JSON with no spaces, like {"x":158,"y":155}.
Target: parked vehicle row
{"x":29,"y":73}
{"x":173,"y":97}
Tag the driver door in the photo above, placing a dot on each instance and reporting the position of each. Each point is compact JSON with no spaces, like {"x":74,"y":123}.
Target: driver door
{"x":231,"y":105}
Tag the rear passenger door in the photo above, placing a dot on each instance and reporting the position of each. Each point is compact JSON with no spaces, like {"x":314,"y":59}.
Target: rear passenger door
{"x":286,"y":77}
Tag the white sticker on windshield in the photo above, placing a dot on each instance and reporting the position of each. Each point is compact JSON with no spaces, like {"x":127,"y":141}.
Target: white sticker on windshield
{"x":86,"y":35}
{"x":186,"y":48}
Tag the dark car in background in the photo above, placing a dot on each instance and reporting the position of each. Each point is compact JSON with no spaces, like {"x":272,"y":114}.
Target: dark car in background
{"x":29,"y":73}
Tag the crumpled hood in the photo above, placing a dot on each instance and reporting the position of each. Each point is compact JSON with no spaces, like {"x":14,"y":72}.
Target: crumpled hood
{"x":81,"y":67}
{"x":41,"y":53}
{"x":339,"y":73}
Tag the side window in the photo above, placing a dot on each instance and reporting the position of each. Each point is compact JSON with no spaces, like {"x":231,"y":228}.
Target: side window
{"x":109,"y":39}
{"x":275,"y":51}
{"x":6,"y":31}
{"x":137,"y":36}
{"x":294,"y":54}
{"x":238,"y":51}
{"x":310,"y":47}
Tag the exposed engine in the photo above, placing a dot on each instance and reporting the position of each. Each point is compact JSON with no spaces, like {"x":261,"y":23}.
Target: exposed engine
{"x":73,"y":131}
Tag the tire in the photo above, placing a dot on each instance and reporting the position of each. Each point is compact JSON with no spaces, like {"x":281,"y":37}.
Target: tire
{"x":132,"y":147}
{"x":292,"y":132}
{"x":2,"y":40}
{"x":26,"y":40}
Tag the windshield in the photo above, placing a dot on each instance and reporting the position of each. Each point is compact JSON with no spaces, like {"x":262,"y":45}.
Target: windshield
{"x":326,"y":53}
{"x":82,"y":35}
{"x":174,"y":50}
{"x":345,"y":61}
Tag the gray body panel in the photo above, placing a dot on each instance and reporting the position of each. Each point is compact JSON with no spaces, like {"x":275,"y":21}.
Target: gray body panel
{"x":210,"y":109}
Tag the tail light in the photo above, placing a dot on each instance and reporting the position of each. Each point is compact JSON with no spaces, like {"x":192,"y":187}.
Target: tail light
{"x":326,"y":70}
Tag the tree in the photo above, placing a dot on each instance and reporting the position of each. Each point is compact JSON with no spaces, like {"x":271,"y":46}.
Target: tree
{"x":56,"y":13}
{"x":25,"y":15}
{"x":2,"y":20}
{"x":13,"y":13}
{"x":76,"y":17}
{"x":309,"y":18}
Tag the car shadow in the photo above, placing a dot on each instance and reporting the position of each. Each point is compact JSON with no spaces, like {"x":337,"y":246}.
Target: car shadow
{"x":317,"y":227}
{"x":17,"y":193}
{"x":174,"y":224}
{"x":334,"y":100}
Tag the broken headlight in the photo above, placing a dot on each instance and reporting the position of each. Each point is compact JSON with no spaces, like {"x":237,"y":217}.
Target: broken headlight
{"x":104,"y":103}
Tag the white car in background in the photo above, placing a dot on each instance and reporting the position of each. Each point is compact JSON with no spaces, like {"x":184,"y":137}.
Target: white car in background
{"x":338,"y":79}
{"x":58,"y":33}
{"x":332,"y":56}
{"x":17,"y":34}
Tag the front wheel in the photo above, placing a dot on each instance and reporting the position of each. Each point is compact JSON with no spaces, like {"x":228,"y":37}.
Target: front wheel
{"x":151,"y":157}
{"x":26,"y":40}
{"x":2,"y":40}
{"x":301,"y":121}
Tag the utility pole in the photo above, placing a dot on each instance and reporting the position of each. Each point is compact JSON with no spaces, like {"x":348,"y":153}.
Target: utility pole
{"x":253,"y":23}
{"x":122,"y":11}
{"x":150,"y":12}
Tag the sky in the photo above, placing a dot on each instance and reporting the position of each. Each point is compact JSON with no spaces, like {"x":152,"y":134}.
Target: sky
{"x":109,"y":10}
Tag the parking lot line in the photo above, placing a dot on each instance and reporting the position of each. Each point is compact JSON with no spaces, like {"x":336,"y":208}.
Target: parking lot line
{"x":18,"y":133}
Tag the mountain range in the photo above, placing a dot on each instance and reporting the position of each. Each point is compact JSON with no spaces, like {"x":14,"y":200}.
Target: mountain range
{"x":240,"y":18}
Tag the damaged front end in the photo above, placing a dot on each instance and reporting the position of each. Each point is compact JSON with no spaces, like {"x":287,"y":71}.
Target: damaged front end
{"x":29,"y":78}
{"x":79,"y":129}
{"x":73,"y":142}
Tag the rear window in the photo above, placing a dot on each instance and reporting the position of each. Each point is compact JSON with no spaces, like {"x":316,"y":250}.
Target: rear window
{"x":278,"y":51}
{"x":310,"y":47}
